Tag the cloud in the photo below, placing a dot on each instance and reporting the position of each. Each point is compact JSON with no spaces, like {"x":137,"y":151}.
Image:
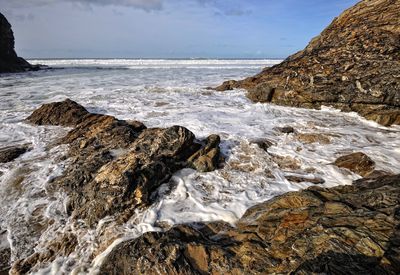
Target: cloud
{"x":147,"y":5}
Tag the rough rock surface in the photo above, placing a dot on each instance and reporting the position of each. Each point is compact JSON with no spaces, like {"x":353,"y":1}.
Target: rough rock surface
{"x":9,"y":61}
{"x":358,"y":163}
{"x":344,"y":230}
{"x":8,"y":154}
{"x":116,"y":165}
{"x":353,"y":65}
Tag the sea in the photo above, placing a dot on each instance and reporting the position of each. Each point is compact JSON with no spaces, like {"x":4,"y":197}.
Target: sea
{"x":163,"y":93}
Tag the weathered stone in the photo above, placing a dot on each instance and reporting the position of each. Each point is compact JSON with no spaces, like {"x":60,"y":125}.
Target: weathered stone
{"x":309,"y":138}
{"x":9,"y":61}
{"x":208,"y":157}
{"x":65,"y":113}
{"x":343,"y":230}
{"x":286,"y":129}
{"x":358,"y":163}
{"x":314,"y":180}
{"x":8,"y":154}
{"x":263,"y":144}
{"x":353,"y":65}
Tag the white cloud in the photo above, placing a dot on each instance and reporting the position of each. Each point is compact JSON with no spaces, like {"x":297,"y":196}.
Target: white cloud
{"x":147,"y":5}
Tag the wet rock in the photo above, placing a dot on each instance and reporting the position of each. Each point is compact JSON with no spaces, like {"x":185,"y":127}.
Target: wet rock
{"x":63,"y":245}
{"x":353,"y":65}
{"x":298,"y":179}
{"x":347,"y":229}
{"x":286,"y":129}
{"x":208,"y":157}
{"x":5,"y":253}
{"x":65,"y":113}
{"x":309,"y":138}
{"x":358,"y":163}
{"x":116,"y":166}
{"x":8,"y":154}
{"x":129,"y":181}
{"x":9,"y":61}
{"x":263,"y":144}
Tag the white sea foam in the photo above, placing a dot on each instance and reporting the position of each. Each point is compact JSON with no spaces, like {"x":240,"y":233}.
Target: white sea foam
{"x":163,"y":93}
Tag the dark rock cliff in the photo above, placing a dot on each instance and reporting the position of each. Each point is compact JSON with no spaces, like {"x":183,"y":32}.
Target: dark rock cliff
{"x":9,"y":61}
{"x":353,"y":65}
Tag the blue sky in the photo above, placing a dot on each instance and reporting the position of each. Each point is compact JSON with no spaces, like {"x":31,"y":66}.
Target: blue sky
{"x":167,"y":28}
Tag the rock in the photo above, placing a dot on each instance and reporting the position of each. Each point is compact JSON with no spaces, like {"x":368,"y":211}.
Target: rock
{"x":116,"y":166}
{"x":353,"y":65}
{"x":8,"y":154}
{"x":208,"y":157}
{"x":65,"y":113}
{"x":358,"y":163}
{"x":344,"y":230}
{"x":263,"y":144}
{"x":128,"y":182}
{"x":63,"y":245}
{"x":9,"y":61}
{"x":298,"y":179}
{"x":286,"y":130}
{"x":309,"y":138}
{"x":5,"y":253}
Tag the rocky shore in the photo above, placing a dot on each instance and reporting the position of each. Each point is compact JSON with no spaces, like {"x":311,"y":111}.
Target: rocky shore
{"x":353,"y":65}
{"x":9,"y":61}
{"x":117,"y":167}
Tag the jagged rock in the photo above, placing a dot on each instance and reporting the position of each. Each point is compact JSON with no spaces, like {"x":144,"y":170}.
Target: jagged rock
{"x":353,"y":65}
{"x":344,"y":230}
{"x":65,"y":113}
{"x":286,"y":129}
{"x":358,"y":163}
{"x":63,"y":245}
{"x":129,"y":181}
{"x":264,"y":144}
{"x":9,"y":61}
{"x":8,"y":154}
{"x":116,"y":165}
{"x":207,"y":158}
{"x":314,"y":180}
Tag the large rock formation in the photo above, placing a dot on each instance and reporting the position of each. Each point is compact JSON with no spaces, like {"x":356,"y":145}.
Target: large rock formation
{"x":9,"y":61}
{"x":344,"y":230}
{"x":353,"y":65}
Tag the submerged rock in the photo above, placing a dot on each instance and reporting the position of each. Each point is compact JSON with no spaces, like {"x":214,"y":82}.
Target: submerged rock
{"x":9,"y":61}
{"x":353,"y":65}
{"x":358,"y":163}
{"x":344,"y":230}
{"x":8,"y":154}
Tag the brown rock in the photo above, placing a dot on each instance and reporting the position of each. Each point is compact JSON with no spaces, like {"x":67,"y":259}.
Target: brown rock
{"x":353,"y":65}
{"x":314,"y":180}
{"x":207,"y":158}
{"x":313,"y":138}
{"x":8,"y":154}
{"x":65,"y":113}
{"x":343,"y":230}
{"x":358,"y":163}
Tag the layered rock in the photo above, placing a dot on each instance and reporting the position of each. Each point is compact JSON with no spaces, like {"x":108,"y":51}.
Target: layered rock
{"x":10,"y":153}
{"x":9,"y":61}
{"x":344,"y":230}
{"x":353,"y":65}
{"x":116,"y":165}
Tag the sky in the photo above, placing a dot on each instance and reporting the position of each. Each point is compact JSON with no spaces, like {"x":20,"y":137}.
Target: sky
{"x":167,"y":28}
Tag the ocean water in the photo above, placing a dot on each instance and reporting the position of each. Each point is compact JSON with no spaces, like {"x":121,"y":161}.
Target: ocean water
{"x":162,"y":93}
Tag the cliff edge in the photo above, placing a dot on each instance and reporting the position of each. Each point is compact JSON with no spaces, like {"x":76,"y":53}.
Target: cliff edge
{"x":353,"y":65}
{"x":9,"y":61}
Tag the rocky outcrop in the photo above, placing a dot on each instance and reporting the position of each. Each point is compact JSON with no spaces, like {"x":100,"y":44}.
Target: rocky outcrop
{"x":344,"y":230}
{"x":116,"y":165}
{"x":353,"y":65}
{"x":358,"y":163}
{"x":8,"y":154}
{"x":9,"y":61}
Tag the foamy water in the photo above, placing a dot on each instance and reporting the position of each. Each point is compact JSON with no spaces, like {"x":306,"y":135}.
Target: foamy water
{"x":163,"y":93}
